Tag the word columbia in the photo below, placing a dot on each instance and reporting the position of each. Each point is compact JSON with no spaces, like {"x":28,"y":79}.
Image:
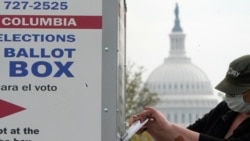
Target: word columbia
{"x":40,"y":21}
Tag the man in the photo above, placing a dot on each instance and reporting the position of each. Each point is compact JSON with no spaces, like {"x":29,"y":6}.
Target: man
{"x":228,"y":121}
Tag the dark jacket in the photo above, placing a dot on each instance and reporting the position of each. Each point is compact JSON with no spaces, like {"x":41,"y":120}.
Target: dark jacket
{"x":214,"y":125}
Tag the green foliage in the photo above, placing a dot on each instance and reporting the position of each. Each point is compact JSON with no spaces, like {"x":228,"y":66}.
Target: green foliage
{"x":137,"y":95}
{"x":145,"y":136}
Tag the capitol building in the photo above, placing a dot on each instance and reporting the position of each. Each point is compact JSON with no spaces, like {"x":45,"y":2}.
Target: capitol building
{"x":184,"y":90}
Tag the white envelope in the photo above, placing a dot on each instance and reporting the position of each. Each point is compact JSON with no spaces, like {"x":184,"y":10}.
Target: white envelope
{"x":136,"y":126}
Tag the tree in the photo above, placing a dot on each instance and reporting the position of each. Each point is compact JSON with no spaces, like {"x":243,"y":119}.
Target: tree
{"x":137,"y":96}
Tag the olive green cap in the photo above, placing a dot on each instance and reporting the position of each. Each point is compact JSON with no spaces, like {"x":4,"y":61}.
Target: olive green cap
{"x":237,"y":79}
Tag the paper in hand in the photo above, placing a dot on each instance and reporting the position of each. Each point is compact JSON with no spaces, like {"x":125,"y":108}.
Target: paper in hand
{"x":133,"y":129}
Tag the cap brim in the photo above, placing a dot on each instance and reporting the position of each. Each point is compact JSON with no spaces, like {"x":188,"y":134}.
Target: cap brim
{"x":231,"y":87}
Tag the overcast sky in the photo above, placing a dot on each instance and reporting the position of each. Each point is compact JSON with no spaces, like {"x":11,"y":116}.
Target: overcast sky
{"x":217,"y":31}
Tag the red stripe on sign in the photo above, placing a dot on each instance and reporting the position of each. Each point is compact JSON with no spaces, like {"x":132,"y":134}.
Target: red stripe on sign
{"x":51,"y":22}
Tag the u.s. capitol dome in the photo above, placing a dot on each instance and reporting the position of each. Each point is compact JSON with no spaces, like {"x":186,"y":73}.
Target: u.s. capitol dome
{"x":184,"y":90}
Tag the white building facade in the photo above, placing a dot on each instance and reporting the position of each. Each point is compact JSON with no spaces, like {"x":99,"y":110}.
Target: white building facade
{"x":184,"y":90}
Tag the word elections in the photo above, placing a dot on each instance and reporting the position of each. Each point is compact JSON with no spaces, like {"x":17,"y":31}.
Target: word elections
{"x":37,"y":38}
{"x":23,"y":68}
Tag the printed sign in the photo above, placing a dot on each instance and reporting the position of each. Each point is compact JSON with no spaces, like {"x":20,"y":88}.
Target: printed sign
{"x":50,"y":70}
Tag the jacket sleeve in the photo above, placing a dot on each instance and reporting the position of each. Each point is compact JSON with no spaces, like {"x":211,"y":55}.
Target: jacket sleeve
{"x":211,"y":121}
{"x":208,"y":119}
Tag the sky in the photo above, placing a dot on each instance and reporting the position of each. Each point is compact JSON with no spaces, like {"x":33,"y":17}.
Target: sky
{"x":217,"y":32}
